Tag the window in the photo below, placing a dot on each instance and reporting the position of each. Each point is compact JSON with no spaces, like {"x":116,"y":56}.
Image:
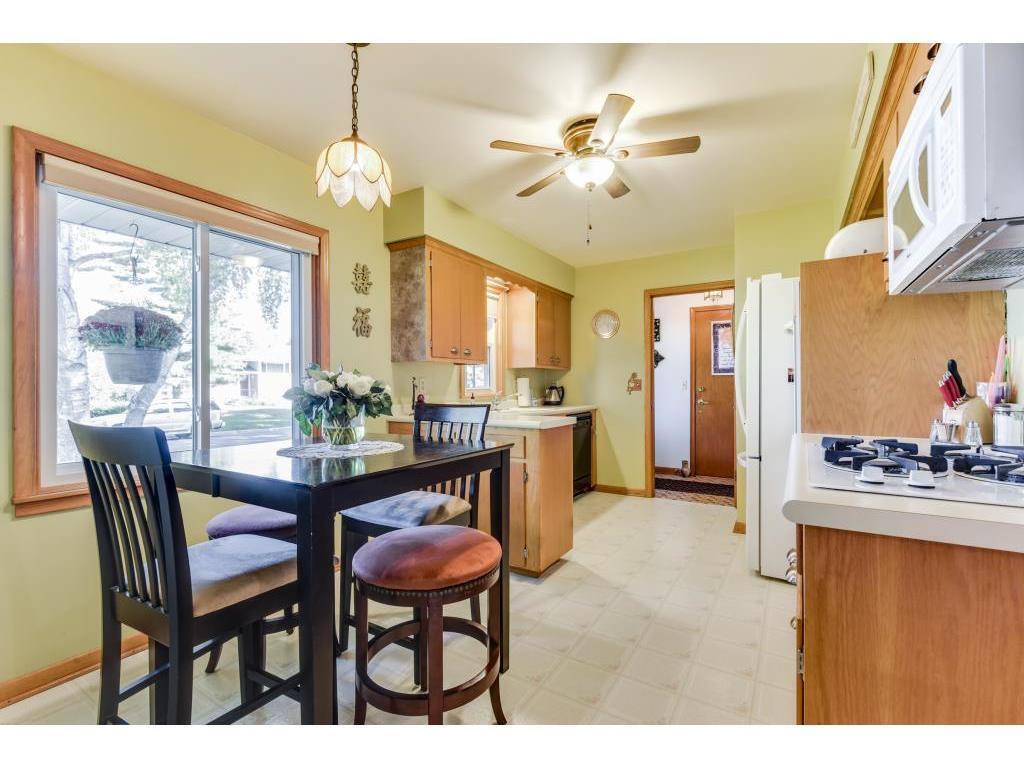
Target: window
{"x":489,"y":378}
{"x":177,"y":313}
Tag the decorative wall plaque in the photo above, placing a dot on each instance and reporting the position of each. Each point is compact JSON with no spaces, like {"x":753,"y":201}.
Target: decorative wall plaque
{"x":361,"y":278}
{"x":361,"y":322}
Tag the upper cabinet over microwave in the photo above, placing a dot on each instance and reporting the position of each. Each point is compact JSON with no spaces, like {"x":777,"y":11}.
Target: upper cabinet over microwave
{"x":955,"y":196}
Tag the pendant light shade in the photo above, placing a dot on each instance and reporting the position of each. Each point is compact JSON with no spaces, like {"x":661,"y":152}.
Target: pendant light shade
{"x":350,"y":167}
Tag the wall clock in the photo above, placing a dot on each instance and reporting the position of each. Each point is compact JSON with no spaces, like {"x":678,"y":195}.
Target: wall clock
{"x":605,"y":323}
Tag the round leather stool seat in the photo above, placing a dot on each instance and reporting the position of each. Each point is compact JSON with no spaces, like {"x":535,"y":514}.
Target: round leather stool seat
{"x":250,"y":518}
{"x":428,"y":558}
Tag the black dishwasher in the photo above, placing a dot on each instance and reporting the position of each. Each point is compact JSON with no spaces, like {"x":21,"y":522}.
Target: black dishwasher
{"x":582,"y":434}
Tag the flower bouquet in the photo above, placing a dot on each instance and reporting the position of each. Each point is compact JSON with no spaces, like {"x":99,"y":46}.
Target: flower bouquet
{"x":338,"y":403}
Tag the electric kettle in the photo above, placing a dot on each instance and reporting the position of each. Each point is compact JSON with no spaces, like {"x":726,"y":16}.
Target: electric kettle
{"x":554,"y":395}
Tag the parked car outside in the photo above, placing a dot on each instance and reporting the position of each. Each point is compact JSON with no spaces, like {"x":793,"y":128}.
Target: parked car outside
{"x":172,"y":416}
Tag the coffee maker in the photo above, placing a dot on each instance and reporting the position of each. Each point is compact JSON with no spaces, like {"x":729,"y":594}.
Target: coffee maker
{"x":554,"y":395}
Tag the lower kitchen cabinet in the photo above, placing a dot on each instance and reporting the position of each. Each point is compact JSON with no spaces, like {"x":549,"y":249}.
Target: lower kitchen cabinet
{"x":540,"y":494}
{"x":895,"y":630}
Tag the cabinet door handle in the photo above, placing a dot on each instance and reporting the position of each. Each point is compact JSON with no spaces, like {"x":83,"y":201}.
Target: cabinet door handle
{"x":920,"y":83}
{"x":792,"y":622}
{"x":454,"y":350}
{"x":934,"y":51}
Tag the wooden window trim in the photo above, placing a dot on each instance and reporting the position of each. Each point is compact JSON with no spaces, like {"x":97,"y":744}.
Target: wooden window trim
{"x":499,"y":355}
{"x":29,"y":497}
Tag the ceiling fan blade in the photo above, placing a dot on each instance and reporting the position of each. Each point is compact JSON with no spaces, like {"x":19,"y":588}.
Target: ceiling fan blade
{"x":515,"y":146}
{"x":538,"y":186}
{"x":615,"y":186}
{"x":659,"y":148}
{"x":612,"y":113}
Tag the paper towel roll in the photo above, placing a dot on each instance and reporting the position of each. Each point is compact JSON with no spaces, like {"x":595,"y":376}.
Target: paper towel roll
{"x":523,"y":392}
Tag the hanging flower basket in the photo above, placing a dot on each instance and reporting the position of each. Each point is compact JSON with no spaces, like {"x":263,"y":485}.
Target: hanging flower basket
{"x":134,"y":342}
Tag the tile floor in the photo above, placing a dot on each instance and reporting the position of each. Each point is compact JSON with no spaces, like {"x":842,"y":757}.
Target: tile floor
{"x":653,"y":618}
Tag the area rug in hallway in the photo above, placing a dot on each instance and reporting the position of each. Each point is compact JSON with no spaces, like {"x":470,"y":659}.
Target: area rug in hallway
{"x":692,"y":485}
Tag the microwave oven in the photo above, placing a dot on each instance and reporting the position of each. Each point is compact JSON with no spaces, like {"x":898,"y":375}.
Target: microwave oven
{"x":955,"y":195}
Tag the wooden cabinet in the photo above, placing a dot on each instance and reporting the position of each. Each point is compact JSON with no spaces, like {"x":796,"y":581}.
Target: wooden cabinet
{"x":438,"y":306}
{"x":539,"y":329}
{"x":894,"y":630}
{"x":540,"y":494}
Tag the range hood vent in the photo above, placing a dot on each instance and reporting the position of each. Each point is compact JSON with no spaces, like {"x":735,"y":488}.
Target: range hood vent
{"x":995,"y":264}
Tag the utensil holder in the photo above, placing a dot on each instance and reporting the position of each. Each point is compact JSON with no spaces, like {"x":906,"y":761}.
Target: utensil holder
{"x":973,"y":409}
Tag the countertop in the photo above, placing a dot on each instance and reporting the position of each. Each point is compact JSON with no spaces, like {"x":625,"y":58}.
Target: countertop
{"x":539,"y":417}
{"x":975,"y":525}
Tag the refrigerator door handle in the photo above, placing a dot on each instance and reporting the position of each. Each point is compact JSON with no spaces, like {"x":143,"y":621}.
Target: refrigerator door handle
{"x":741,"y":407}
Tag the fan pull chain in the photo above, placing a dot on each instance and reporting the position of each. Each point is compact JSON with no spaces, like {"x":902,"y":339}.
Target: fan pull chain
{"x":590,"y":191}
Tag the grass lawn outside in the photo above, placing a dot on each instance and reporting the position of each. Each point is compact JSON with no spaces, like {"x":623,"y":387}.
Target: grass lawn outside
{"x":256,"y":418}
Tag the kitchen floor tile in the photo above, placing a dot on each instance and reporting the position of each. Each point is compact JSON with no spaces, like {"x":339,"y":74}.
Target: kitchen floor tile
{"x":547,"y":708}
{"x":727,"y":657}
{"x":657,"y":669}
{"x":671,"y":642}
{"x":774,"y":705}
{"x":625,"y":629}
{"x":581,"y":682}
{"x":732,"y":631}
{"x":720,"y":689}
{"x":639,"y":703}
{"x":778,"y":671}
{"x":601,"y":652}
{"x":691,"y":711}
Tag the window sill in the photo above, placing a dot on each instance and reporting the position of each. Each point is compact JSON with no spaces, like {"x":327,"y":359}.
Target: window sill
{"x":68,"y":497}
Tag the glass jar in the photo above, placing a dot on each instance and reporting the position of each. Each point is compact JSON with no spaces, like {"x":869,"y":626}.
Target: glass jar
{"x":339,"y":429}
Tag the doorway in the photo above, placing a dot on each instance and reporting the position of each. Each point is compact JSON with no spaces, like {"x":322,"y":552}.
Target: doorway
{"x":690,"y":415}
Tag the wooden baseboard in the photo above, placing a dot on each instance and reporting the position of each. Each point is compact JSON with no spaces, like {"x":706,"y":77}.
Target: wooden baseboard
{"x":668,"y":471}
{"x":620,"y":490}
{"x":43,"y":679}
{"x":739,"y":527}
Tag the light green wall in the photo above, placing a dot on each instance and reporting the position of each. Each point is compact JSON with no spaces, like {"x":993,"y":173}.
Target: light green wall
{"x":777,"y":241}
{"x":851,"y":155}
{"x":404,"y":219}
{"x":601,"y":367}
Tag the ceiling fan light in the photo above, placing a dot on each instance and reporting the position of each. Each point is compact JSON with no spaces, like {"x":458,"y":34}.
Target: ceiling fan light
{"x":590,"y":170}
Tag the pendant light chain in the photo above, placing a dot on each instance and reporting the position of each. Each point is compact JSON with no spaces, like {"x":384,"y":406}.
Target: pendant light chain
{"x":355,"y":90}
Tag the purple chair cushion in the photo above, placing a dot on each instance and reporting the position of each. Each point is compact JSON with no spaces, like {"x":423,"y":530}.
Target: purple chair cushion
{"x":249,"y":518}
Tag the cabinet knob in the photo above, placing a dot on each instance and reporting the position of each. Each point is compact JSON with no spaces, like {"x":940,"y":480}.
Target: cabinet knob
{"x":920,"y":84}
{"x":466,"y":351}
{"x":792,"y":622}
{"x":791,"y":575}
{"x":454,"y":350}
{"x":934,"y":51}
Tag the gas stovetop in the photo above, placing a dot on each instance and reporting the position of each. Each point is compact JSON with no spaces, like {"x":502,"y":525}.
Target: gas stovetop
{"x":897,"y":466}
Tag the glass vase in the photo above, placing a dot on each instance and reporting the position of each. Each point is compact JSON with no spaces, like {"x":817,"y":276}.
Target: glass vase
{"x":342,"y":430}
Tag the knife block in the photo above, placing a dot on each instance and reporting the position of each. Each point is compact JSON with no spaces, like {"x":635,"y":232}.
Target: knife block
{"x":973,"y":409}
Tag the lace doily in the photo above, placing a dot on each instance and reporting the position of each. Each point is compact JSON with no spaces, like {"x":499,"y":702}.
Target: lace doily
{"x":328,"y":451}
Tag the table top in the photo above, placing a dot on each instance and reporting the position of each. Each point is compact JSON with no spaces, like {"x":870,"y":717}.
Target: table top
{"x":261,"y":460}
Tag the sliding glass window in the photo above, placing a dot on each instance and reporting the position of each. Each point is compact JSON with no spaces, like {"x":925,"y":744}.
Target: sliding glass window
{"x":151,"y":319}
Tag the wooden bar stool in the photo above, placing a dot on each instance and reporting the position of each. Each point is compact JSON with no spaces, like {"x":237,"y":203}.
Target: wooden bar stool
{"x":425,"y":569}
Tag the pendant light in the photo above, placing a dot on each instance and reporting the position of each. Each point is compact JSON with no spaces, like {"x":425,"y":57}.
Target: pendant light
{"x":351,"y":167}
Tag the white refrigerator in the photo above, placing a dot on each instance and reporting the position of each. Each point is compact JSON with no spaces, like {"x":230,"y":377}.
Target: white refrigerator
{"x":768,"y":407}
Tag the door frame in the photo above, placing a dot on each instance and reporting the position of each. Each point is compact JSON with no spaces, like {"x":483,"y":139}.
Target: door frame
{"x":694,"y":311}
{"x":649,"y":295}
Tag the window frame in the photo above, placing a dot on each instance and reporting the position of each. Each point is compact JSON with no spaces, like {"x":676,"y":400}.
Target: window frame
{"x":497,"y":389}
{"x":30,"y":497}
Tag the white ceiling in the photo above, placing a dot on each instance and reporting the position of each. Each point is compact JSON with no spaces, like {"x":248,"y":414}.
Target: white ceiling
{"x":773,"y":120}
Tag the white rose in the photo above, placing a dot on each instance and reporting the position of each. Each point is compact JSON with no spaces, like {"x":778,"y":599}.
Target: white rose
{"x":360,"y":385}
{"x":322,"y":388}
{"x":307,"y":386}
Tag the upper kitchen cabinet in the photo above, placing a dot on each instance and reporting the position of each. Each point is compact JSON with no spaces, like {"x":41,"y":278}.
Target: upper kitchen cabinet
{"x":539,"y":325}
{"x":438,"y":304}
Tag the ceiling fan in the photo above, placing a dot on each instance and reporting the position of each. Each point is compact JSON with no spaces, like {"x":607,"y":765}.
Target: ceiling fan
{"x":588,"y":142}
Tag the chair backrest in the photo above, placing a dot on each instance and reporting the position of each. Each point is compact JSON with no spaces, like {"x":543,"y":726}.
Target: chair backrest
{"x":437,"y":421}
{"x":139,"y":531}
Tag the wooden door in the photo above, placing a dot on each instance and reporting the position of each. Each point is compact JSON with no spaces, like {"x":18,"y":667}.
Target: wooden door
{"x":712,"y":403}
{"x":563,"y":321}
{"x":545,"y":329}
{"x":473,"y":312}
{"x":445,"y":305}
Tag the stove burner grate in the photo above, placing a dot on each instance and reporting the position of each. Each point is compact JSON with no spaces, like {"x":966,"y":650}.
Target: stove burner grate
{"x":894,"y":457}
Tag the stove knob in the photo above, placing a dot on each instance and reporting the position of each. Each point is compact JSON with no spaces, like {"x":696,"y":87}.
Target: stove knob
{"x":871,"y":474}
{"x":791,"y":557}
{"x":921,"y":478}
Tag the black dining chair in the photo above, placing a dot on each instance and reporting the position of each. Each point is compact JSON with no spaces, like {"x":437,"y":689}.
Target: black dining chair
{"x":184,"y":598}
{"x":453,"y":502}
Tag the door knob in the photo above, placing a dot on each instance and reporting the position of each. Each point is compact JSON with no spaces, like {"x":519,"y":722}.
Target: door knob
{"x":702,"y":401}
{"x":701,"y":389}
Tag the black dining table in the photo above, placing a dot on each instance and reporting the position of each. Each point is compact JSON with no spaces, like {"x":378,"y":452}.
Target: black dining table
{"x":315,"y":490}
